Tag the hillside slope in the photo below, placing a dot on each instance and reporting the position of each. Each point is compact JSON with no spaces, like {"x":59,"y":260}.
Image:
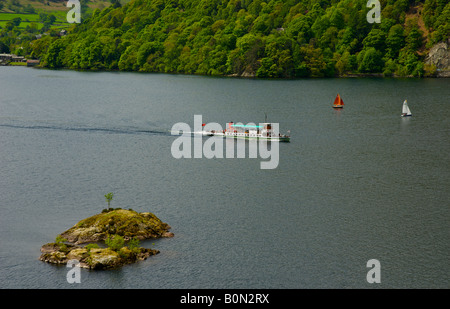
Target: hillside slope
{"x":292,"y":38}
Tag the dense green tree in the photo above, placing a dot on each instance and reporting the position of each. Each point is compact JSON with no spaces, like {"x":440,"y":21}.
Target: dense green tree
{"x":146,"y":50}
{"x":128,"y":59}
{"x":345,"y":63}
{"x":376,"y":38}
{"x":409,"y":64}
{"x":347,"y":41}
{"x":4,"y":48}
{"x":337,"y":19}
{"x":313,"y":60}
{"x":16,"y":21}
{"x":320,"y":26}
{"x":390,"y":67}
{"x":54,"y":56}
{"x":264,"y":38}
{"x":370,"y":61}
{"x":300,"y":29}
{"x":395,"y":41}
{"x":414,"y":39}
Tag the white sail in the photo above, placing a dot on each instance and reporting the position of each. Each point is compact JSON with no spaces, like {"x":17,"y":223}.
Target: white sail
{"x":405,"y":109}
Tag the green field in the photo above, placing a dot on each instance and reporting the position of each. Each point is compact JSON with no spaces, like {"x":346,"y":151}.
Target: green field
{"x":27,"y":19}
{"x":24,"y":17}
{"x":56,"y":8}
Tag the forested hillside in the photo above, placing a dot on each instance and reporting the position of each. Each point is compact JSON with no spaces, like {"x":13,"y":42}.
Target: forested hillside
{"x":272,"y":38}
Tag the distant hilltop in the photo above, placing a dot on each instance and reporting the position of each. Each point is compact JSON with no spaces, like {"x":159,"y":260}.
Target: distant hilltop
{"x":253,"y":38}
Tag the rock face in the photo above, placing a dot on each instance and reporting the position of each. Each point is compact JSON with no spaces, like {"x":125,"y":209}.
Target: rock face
{"x":124,"y":224}
{"x":94,"y":258}
{"x":439,"y":57}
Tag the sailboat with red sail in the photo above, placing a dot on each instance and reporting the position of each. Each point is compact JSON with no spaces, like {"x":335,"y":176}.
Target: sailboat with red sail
{"x":338,"y":103}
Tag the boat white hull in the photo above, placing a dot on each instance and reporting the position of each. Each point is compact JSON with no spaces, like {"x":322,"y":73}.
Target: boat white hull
{"x":250,"y":137}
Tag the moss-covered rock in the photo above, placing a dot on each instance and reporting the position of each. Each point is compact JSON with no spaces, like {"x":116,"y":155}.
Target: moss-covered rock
{"x":78,"y":254}
{"x":127,"y":224}
{"x":56,"y":257}
{"x":96,"y":258}
{"x":103,"y":258}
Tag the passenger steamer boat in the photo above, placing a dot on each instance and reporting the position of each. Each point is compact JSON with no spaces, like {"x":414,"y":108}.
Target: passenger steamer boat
{"x":264,"y":131}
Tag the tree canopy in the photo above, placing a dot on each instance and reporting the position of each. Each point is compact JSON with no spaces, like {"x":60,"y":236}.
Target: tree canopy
{"x":272,"y":38}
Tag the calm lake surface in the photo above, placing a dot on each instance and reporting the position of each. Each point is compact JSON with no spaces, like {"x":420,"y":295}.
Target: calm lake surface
{"x":353,"y":185}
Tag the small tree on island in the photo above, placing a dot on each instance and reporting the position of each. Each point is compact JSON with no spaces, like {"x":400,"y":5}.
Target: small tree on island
{"x":109,"y":198}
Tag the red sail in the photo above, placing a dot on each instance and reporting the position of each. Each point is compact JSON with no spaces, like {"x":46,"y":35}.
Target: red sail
{"x":338,"y":101}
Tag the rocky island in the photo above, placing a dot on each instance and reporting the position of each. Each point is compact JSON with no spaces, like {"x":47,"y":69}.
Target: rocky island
{"x":112,"y":239}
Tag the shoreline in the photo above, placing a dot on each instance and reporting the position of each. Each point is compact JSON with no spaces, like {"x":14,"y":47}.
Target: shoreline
{"x":444,"y":74}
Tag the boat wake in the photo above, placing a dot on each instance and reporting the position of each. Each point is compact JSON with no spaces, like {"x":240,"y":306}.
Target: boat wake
{"x":87,"y":129}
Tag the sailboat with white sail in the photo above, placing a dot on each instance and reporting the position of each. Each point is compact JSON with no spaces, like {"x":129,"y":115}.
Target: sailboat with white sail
{"x":406,"y":112}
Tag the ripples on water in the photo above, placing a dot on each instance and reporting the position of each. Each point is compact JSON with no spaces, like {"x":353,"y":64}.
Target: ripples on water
{"x":352,"y":185}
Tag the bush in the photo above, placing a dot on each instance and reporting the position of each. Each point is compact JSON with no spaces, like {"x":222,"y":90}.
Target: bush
{"x":134,"y":245}
{"x":91,"y":246}
{"x":115,"y":243}
{"x":370,"y":61}
{"x":60,"y":242}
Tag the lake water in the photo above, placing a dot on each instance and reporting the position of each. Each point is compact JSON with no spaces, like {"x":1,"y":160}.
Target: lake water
{"x":353,"y":185}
